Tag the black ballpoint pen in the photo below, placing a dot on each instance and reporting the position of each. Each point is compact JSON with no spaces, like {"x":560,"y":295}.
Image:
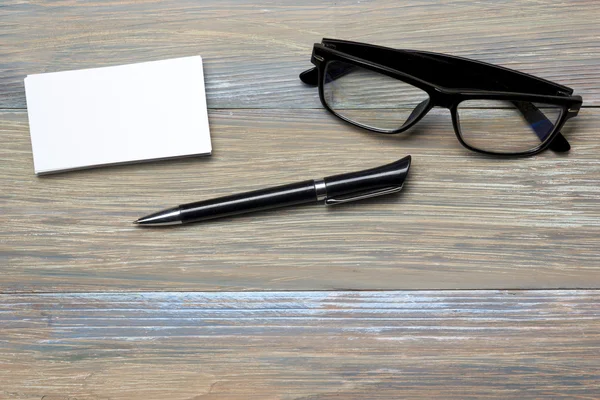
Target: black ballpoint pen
{"x":333,"y":190}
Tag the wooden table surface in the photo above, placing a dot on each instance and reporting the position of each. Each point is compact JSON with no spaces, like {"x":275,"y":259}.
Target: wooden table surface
{"x":480,"y":280}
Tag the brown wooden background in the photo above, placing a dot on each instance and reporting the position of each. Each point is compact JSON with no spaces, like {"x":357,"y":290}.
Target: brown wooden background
{"x":479,"y":280}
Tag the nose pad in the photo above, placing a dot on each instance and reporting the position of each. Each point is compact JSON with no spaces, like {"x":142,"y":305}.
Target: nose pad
{"x":417,"y":111}
{"x":444,"y":99}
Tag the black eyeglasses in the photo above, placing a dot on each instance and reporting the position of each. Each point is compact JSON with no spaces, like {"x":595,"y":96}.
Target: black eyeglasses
{"x":494,"y":110}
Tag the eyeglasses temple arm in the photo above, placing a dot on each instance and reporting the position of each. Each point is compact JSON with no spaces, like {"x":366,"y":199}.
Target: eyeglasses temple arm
{"x":542,"y":126}
{"x":310,"y":76}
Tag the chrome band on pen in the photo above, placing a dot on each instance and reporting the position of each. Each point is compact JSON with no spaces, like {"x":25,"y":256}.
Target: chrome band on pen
{"x":320,"y":189}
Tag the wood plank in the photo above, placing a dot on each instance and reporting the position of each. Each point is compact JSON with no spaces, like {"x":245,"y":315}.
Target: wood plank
{"x":254,"y":50}
{"x":463,"y":221}
{"x":301,"y":345}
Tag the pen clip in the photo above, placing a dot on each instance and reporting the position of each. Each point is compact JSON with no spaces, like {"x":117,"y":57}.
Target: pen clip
{"x":367,"y":195}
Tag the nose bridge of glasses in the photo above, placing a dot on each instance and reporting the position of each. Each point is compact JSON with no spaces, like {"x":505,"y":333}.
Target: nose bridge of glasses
{"x":443,"y":98}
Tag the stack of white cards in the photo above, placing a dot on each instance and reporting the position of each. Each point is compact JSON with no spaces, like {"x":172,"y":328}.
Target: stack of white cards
{"x":121,"y":114}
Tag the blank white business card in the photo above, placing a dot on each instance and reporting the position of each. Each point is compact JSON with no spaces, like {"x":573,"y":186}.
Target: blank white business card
{"x":127,"y":113}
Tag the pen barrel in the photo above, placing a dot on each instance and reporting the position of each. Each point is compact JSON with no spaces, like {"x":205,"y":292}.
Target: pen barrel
{"x":385,"y":176}
{"x":263,"y":199}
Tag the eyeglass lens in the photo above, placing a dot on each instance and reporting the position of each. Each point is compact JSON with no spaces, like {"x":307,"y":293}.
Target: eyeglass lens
{"x":506,"y":126}
{"x":371,"y":99}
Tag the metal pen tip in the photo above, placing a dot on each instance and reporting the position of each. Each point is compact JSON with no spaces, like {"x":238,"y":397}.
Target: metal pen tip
{"x":170,"y":216}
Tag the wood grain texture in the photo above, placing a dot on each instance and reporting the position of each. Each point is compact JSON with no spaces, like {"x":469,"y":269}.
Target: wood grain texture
{"x":295,"y":345}
{"x":463,"y":220}
{"x":254,"y":50}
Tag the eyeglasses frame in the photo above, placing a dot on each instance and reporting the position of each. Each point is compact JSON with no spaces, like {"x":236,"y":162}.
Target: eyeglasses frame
{"x":325,"y":52}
